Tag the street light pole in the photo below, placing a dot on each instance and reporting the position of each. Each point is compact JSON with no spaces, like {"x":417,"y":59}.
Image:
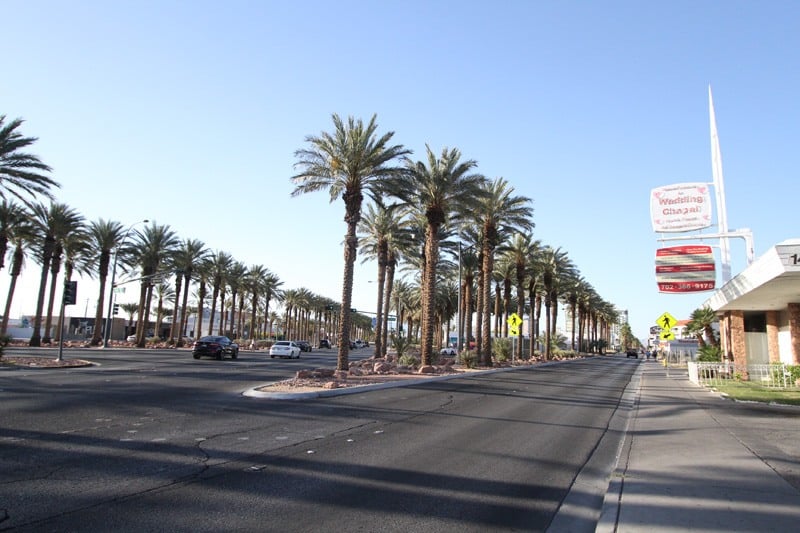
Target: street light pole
{"x":109,"y":316}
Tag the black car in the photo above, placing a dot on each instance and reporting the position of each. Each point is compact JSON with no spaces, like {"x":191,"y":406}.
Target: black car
{"x":305,"y":346}
{"x":324,"y":343}
{"x":217,"y":346}
{"x":632,"y":353}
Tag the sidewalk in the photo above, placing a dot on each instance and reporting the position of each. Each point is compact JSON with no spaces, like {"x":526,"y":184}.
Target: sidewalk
{"x":693,"y":461}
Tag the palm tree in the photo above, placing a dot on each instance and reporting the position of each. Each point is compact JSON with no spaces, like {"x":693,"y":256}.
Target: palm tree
{"x":379,"y":228}
{"x":219,"y":263}
{"x":700,"y":325}
{"x":236,"y":278}
{"x":255,"y":285}
{"x":521,"y":251}
{"x":445,"y":190}
{"x":15,"y":228}
{"x":184,"y":261}
{"x":164,"y":292}
{"x":51,"y":224}
{"x":152,"y":246}
{"x":501,"y":213}
{"x":21,"y":172}
{"x":104,"y":237}
{"x":348,"y":162}
{"x":554,"y":264}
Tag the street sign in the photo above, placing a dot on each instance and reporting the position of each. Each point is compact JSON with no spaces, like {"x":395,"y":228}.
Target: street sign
{"x":514,"y":322}
{"x":667,"y":335}
{"x":688,"y":268}
{"x":666,"y":321}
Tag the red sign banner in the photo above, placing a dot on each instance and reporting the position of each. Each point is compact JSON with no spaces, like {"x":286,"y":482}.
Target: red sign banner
{"x":688,"y":268}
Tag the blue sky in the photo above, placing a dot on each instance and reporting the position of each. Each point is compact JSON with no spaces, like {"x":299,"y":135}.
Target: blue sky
{"x":189,"y":114}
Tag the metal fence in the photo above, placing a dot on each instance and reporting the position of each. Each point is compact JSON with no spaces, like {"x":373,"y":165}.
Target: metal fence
{"x":774,"y":375}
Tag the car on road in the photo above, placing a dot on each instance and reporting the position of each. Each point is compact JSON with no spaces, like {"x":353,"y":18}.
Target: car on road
{"x":632,"y":353}
{"x":217,"y":346}
{"x":305,"y":346}
{"x":449,"y":351}
{"x":284,"y":349}
{"x":324,"y":343}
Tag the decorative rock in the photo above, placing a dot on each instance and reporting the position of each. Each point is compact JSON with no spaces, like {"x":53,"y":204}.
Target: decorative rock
{"x":382,"y":367}
{"x":330,"y":385}
{"x":303,"y":374}
{"x":427,"y":369}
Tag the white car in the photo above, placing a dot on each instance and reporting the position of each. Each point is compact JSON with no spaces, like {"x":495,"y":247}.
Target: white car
{"x":448,"y":351}
{"x":285,"y":349}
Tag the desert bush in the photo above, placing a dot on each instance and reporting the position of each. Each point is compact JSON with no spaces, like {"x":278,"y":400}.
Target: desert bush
{"x":401,"y":344}
{"x":469,"y":358}
{"x":408,"y":360}
{"x":501,"y":349}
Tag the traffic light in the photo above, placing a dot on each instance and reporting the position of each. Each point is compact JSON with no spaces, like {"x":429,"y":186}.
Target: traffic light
{"x":70,"y":292}
{"x":116,"y":309}
{"x":353,"y":310}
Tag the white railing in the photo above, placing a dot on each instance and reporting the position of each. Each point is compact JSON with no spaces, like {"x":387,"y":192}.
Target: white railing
{"x":771,"y":375}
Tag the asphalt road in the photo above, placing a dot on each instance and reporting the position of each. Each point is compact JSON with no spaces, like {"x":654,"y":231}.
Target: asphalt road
{"x":155,"y":441}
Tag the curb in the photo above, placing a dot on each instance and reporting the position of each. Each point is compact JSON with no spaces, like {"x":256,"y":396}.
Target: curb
{"x":327,"y":393}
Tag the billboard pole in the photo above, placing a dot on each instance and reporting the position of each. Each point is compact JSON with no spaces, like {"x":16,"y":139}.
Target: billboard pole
{"x":719,"y":189}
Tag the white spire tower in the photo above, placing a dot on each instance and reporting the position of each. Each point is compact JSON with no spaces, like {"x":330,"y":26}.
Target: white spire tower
{"x":719,"y":188}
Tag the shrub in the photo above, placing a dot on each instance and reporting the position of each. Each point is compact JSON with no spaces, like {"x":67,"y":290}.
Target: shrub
{"x":501,"y":349}
{"x":469,"y":358}
{"x":5,"y":340}
{"x":709,"y":354}
{"x":408,"y":360}
{"x":401,"y":344}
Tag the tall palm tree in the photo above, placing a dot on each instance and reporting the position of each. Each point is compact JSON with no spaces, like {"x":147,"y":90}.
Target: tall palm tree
{"x":347,"y":163}
{"x":104,"y":236}
{"x":236,"y":279}
{"x":501,"y":214}
{"x":164,"y":292}
{"x":50,"y":223}
{"x":554,"y":264}
{"x":520,"y":251}
{"x":153,"y":247}
{"x":219,"y":263}
{"x":17,"y":229}
{"x":21,"y":172}
{"x":255,"y":284}
{"x":377,"y":228}
{"x":184,"y":260}
{"x":445,"y":189}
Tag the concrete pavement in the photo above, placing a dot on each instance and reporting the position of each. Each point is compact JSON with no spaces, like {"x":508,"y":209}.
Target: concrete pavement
{"x":694,"y":461}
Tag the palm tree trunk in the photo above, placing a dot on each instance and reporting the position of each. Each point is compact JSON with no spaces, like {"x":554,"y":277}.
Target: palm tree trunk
{"x":353,"y":214}
{"x":184,"y":305}
{"x":36,"y":337}
{"x":428,"y":292}
{"x":16,"y":268}
{"x":486,"y":340}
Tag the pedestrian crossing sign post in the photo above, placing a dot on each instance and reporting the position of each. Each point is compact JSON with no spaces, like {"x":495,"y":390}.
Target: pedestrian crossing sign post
{"x":514,"y":322}
{"x":666,"y":322}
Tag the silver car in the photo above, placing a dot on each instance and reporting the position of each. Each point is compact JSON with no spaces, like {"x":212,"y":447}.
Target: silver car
{"x":284,"y":349}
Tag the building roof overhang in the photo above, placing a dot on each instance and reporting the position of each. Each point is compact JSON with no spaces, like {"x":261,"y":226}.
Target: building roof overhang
{"x":769,"y":284}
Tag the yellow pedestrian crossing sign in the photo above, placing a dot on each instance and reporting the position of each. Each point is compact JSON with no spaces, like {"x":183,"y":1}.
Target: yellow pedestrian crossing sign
{"x":666,"y":335}
{"x":514,"y":322}
{"x":666,"y":321}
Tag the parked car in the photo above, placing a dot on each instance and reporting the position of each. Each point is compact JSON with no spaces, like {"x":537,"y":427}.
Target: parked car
{"x":217,"y":346}
{"x":285,"y":349}
{"x":324,"y":343}
{"x":449,"y":352}
{"x":305,"y":346}
{"x":359,"y":344}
